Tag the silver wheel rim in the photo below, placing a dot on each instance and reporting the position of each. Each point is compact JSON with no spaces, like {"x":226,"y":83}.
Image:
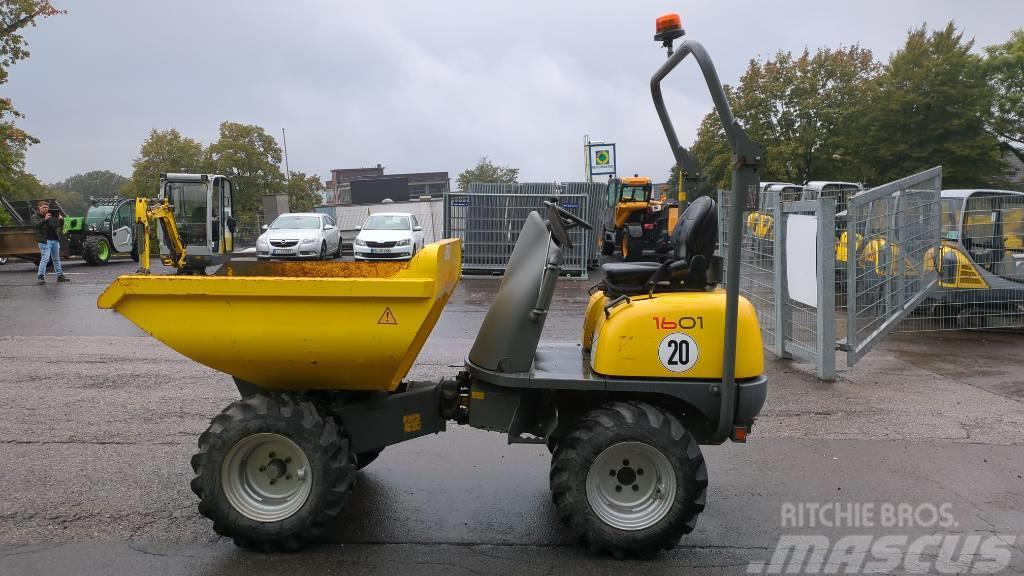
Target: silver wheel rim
{"x":631,"y":486}
{"x":266,"y":477}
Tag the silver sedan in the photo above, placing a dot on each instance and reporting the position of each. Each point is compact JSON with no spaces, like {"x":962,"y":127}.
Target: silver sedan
{"x":304,"y":235}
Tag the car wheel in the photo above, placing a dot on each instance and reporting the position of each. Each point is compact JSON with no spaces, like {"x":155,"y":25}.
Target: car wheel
{"x":323,"y":250}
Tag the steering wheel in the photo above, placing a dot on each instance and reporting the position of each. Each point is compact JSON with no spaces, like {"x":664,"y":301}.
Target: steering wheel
{"x":558,"y":228}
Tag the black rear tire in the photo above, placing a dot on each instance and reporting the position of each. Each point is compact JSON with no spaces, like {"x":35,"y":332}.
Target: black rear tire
{"x":96,"y":250}
{"x":629,"y":424}
{"x":331,"y":470}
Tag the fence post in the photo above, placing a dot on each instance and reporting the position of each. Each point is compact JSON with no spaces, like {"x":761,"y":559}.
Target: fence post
{"x":826,"y":323}
{"x":783,"y":316}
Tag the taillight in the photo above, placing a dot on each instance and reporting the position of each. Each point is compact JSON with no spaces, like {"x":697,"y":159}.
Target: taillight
{"x":649,"y":226}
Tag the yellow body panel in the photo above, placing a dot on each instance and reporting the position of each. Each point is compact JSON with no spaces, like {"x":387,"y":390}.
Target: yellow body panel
{"x":624,"y":209}
{"x":299,"y":325}
{"x":628,"y":342}
{"x":843,"y":243}
{"x":635,"y":180}
{"x":965,"y":276}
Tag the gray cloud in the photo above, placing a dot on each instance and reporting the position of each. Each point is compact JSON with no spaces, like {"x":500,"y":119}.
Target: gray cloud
{"x":415,"y":85}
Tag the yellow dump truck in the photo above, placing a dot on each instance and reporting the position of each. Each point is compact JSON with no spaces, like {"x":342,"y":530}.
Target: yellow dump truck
{"x":666,"y":362}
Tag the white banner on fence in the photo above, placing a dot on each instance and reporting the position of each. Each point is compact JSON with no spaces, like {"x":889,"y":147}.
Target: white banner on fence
{"x":802,"y":259}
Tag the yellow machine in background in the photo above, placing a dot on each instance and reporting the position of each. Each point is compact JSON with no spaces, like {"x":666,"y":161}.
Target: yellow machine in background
{"x":981,"y":259}
{"x":636,"y":222}
{"x":146,"y":211}
{"x":195,"y":223}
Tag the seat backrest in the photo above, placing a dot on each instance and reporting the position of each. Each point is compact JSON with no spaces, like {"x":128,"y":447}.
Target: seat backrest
{"x":697,"y":230}
{"x":508,"y":336}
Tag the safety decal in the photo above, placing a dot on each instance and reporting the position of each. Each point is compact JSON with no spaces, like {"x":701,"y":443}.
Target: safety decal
{"x":678,"y":352}
{"x":412,"y":423}
{"x":387,"y":317}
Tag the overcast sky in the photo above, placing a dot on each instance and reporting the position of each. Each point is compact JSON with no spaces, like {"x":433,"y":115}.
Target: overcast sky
{"x":419,"y":85}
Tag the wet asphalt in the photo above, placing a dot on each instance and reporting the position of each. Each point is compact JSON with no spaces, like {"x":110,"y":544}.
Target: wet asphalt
{"x":98,"y":421}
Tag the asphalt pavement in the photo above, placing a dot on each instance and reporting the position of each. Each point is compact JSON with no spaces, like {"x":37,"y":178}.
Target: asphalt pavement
{"x":98,"y":421}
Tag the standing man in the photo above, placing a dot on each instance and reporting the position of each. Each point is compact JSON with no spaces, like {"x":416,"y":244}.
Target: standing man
{"x":48,"y":229}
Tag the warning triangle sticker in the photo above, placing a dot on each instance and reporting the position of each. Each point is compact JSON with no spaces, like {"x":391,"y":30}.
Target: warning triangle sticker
{"x":387,"y":317}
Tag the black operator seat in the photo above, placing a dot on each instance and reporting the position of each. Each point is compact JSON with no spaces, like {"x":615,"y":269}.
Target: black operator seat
{"x":693,"y":246}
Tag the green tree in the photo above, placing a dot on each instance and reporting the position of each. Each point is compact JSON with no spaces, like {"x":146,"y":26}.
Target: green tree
{"x":1005,"y":67}
{"x":15,"y":15}
{"x":931,"y":106}
{"x":22,"y":186}
{"x":97,"y":183}
{"x":304,"y":192}
{"x":712,"y":151}
{"x":251,"y":158}
{"x":487,"y":171}
{"x":74,"y":192}
{"x":801,"y":109}
{"x":163,"y":151}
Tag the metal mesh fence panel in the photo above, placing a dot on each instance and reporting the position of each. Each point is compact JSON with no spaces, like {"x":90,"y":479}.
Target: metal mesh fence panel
{"x":757,"y":274}
{"x":247,"y":229}
{"x":489,"y":217}
{"x":596,"y":215}
{"x":891,"y":233}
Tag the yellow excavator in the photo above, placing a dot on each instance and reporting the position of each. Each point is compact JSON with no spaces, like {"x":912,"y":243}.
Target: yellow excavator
{"x":196,"y":227}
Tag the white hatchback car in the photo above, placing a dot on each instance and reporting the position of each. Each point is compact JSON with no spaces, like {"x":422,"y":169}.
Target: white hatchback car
{"x":388,"y":236}
{"x":300,"y":235}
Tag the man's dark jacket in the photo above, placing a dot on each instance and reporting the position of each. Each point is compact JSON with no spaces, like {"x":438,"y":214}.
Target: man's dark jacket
{"x":39,"y":224}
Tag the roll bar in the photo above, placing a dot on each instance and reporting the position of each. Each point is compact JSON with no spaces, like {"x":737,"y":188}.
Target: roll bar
{"x":745,"y":181}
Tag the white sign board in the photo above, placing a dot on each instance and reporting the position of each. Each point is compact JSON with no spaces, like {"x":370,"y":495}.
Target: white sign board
{"x":602,"y":159}
{"x":802,"y":258}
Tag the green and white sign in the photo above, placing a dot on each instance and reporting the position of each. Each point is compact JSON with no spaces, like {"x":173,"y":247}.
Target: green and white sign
{"x":602,"y":159}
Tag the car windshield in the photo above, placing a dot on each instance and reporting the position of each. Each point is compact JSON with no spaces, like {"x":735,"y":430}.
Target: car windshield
{"x":296,"y":223}
{"x":386,"y":222}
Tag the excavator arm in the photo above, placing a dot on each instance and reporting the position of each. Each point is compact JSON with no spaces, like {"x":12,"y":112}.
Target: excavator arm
{"x":148,"y":210}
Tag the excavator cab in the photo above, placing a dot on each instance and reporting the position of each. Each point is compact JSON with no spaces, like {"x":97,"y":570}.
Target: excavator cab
{"x":202,"y":209}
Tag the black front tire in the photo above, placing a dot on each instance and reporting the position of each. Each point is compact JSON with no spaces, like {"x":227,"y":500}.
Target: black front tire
{"x":96,"y":250}
{"x":321,"y":440}
{"x":628,"y":424}
{"x":323,"y":250}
